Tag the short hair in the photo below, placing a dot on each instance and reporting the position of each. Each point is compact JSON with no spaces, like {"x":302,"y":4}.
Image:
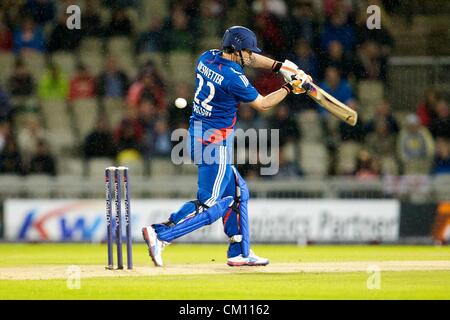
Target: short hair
{"x":228,"y":50}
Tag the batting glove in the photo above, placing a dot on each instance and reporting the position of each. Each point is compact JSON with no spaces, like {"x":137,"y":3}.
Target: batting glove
{"x":295,"y":76}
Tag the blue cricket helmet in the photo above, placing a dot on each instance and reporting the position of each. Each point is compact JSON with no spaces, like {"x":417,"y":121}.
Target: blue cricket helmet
{"x":239,"y":38}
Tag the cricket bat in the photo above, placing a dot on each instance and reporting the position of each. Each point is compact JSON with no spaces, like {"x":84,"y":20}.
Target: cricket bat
{"x":333,"y":105}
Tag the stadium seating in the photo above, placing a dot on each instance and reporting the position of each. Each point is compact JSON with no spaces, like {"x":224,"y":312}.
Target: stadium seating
{"x":181,"y":67}
{"x":35,"y":62}
{"x":71,"y":166}
{"x":66,"y":61}
{"x":161,"y":167}
{"x":58,"y":122}
{"x":310,"y":126}
{"x":156,"y":57}
{"x":119,"y":46}
{"x":346,"y":157}
{"x":85,"y":113}
{"x":6,"y":66}
{"x":149,"y":9}
{"x":370,"y":94}
{"x":93,"y":60}
{"x":55,"y":114}
{"x":114,"y":109}
{"x":96,"y":167}
{"x":68,"y":185}
{"x":39,"y":186}
{"x":11,"y":185}
{"x":90,"y":44}
{"x":313,"y":159}
{"x":389,"y":165}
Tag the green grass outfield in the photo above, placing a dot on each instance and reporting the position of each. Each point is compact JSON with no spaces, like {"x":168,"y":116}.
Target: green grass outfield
{"x":232,"y":283}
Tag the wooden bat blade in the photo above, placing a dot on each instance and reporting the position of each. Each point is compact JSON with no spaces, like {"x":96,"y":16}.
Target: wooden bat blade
{"x":334,"y":106}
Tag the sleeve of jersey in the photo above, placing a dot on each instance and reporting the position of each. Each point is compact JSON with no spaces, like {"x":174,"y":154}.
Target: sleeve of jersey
{"x":242,"y":89}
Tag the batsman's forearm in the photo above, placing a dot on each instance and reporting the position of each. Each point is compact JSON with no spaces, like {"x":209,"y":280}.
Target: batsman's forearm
{"x":272,"y":99}
{"x":262,"y":62}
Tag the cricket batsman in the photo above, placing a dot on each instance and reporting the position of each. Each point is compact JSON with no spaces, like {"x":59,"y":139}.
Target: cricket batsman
{"x":222,"y":193}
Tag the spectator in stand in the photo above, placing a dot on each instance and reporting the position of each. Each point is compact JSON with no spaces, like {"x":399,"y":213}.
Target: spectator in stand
{"x":277,"y":8}
{"x":99,"y":142}
{"x":130,"y":133}
{"x":337,"y":87}
{"x":43,"y":161}
{"x":440,"y":126}
{"x":148,"y":87}
{"x":356,"y":133}
{"x":426,"y":110}
{"x":211,"y":19}
{"x":120,"y":24}
{"x":162,"y":145}
{"x":383,"y":113}
{"x":289,"y":130}
{"x":10,"y":158}
{"x":177,"y":34}
{"x":266,"y":81}
{"x":5,"y":133}
{"x":305,"y":58}
{"x":43,"y":11}
{"x":112,"y":82}
{"x":5,"y":106}
{"x":331,"y":6}
{"x":370,"y":65}
{"x":91,"y":21}
{"x":53,"y":84}
{"x":152,"y":39}
{"x":28,"y":37}
{"x":269,"y":28}
{"x":304,"y":25}
{"x":62,"y":38}
{"x":382,"y":142}
{"x":415,"y":147}
{"x":441,"y":163}
{"x":367,"y":167}
{"x":21,"y":82}
{"x":6,"y":37}
{"x":82,"y":85}
{"x":338,"y":28}
{"x":148,"y":114}
{"x":336,"y":57}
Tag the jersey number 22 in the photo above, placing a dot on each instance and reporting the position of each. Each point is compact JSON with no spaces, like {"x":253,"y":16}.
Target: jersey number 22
{"x":212,"y":91}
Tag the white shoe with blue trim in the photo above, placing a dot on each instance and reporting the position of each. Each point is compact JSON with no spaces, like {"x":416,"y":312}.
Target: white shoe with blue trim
{"x":251,"y":260}
{"x":155,"y":246}
{"x":254,"y":260}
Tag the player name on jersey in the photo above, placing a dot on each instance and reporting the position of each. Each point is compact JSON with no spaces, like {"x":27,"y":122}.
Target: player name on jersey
{"x":207,"y":72}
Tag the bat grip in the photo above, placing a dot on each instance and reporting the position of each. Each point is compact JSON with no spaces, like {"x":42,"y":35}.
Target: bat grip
{"x":307,"y":86}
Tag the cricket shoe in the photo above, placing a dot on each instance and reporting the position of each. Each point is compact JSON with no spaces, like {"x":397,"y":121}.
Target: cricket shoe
{"x":237,"y":261}
{"x":254,"y":260}
{"x":251,"y":260}
{"x":155,"y":246}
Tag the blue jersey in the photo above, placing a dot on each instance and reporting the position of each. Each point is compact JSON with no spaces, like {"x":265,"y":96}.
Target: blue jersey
{"x":219,"y":88}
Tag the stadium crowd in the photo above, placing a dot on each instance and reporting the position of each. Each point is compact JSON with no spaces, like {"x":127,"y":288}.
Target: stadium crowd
{"x":332,"y":44}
